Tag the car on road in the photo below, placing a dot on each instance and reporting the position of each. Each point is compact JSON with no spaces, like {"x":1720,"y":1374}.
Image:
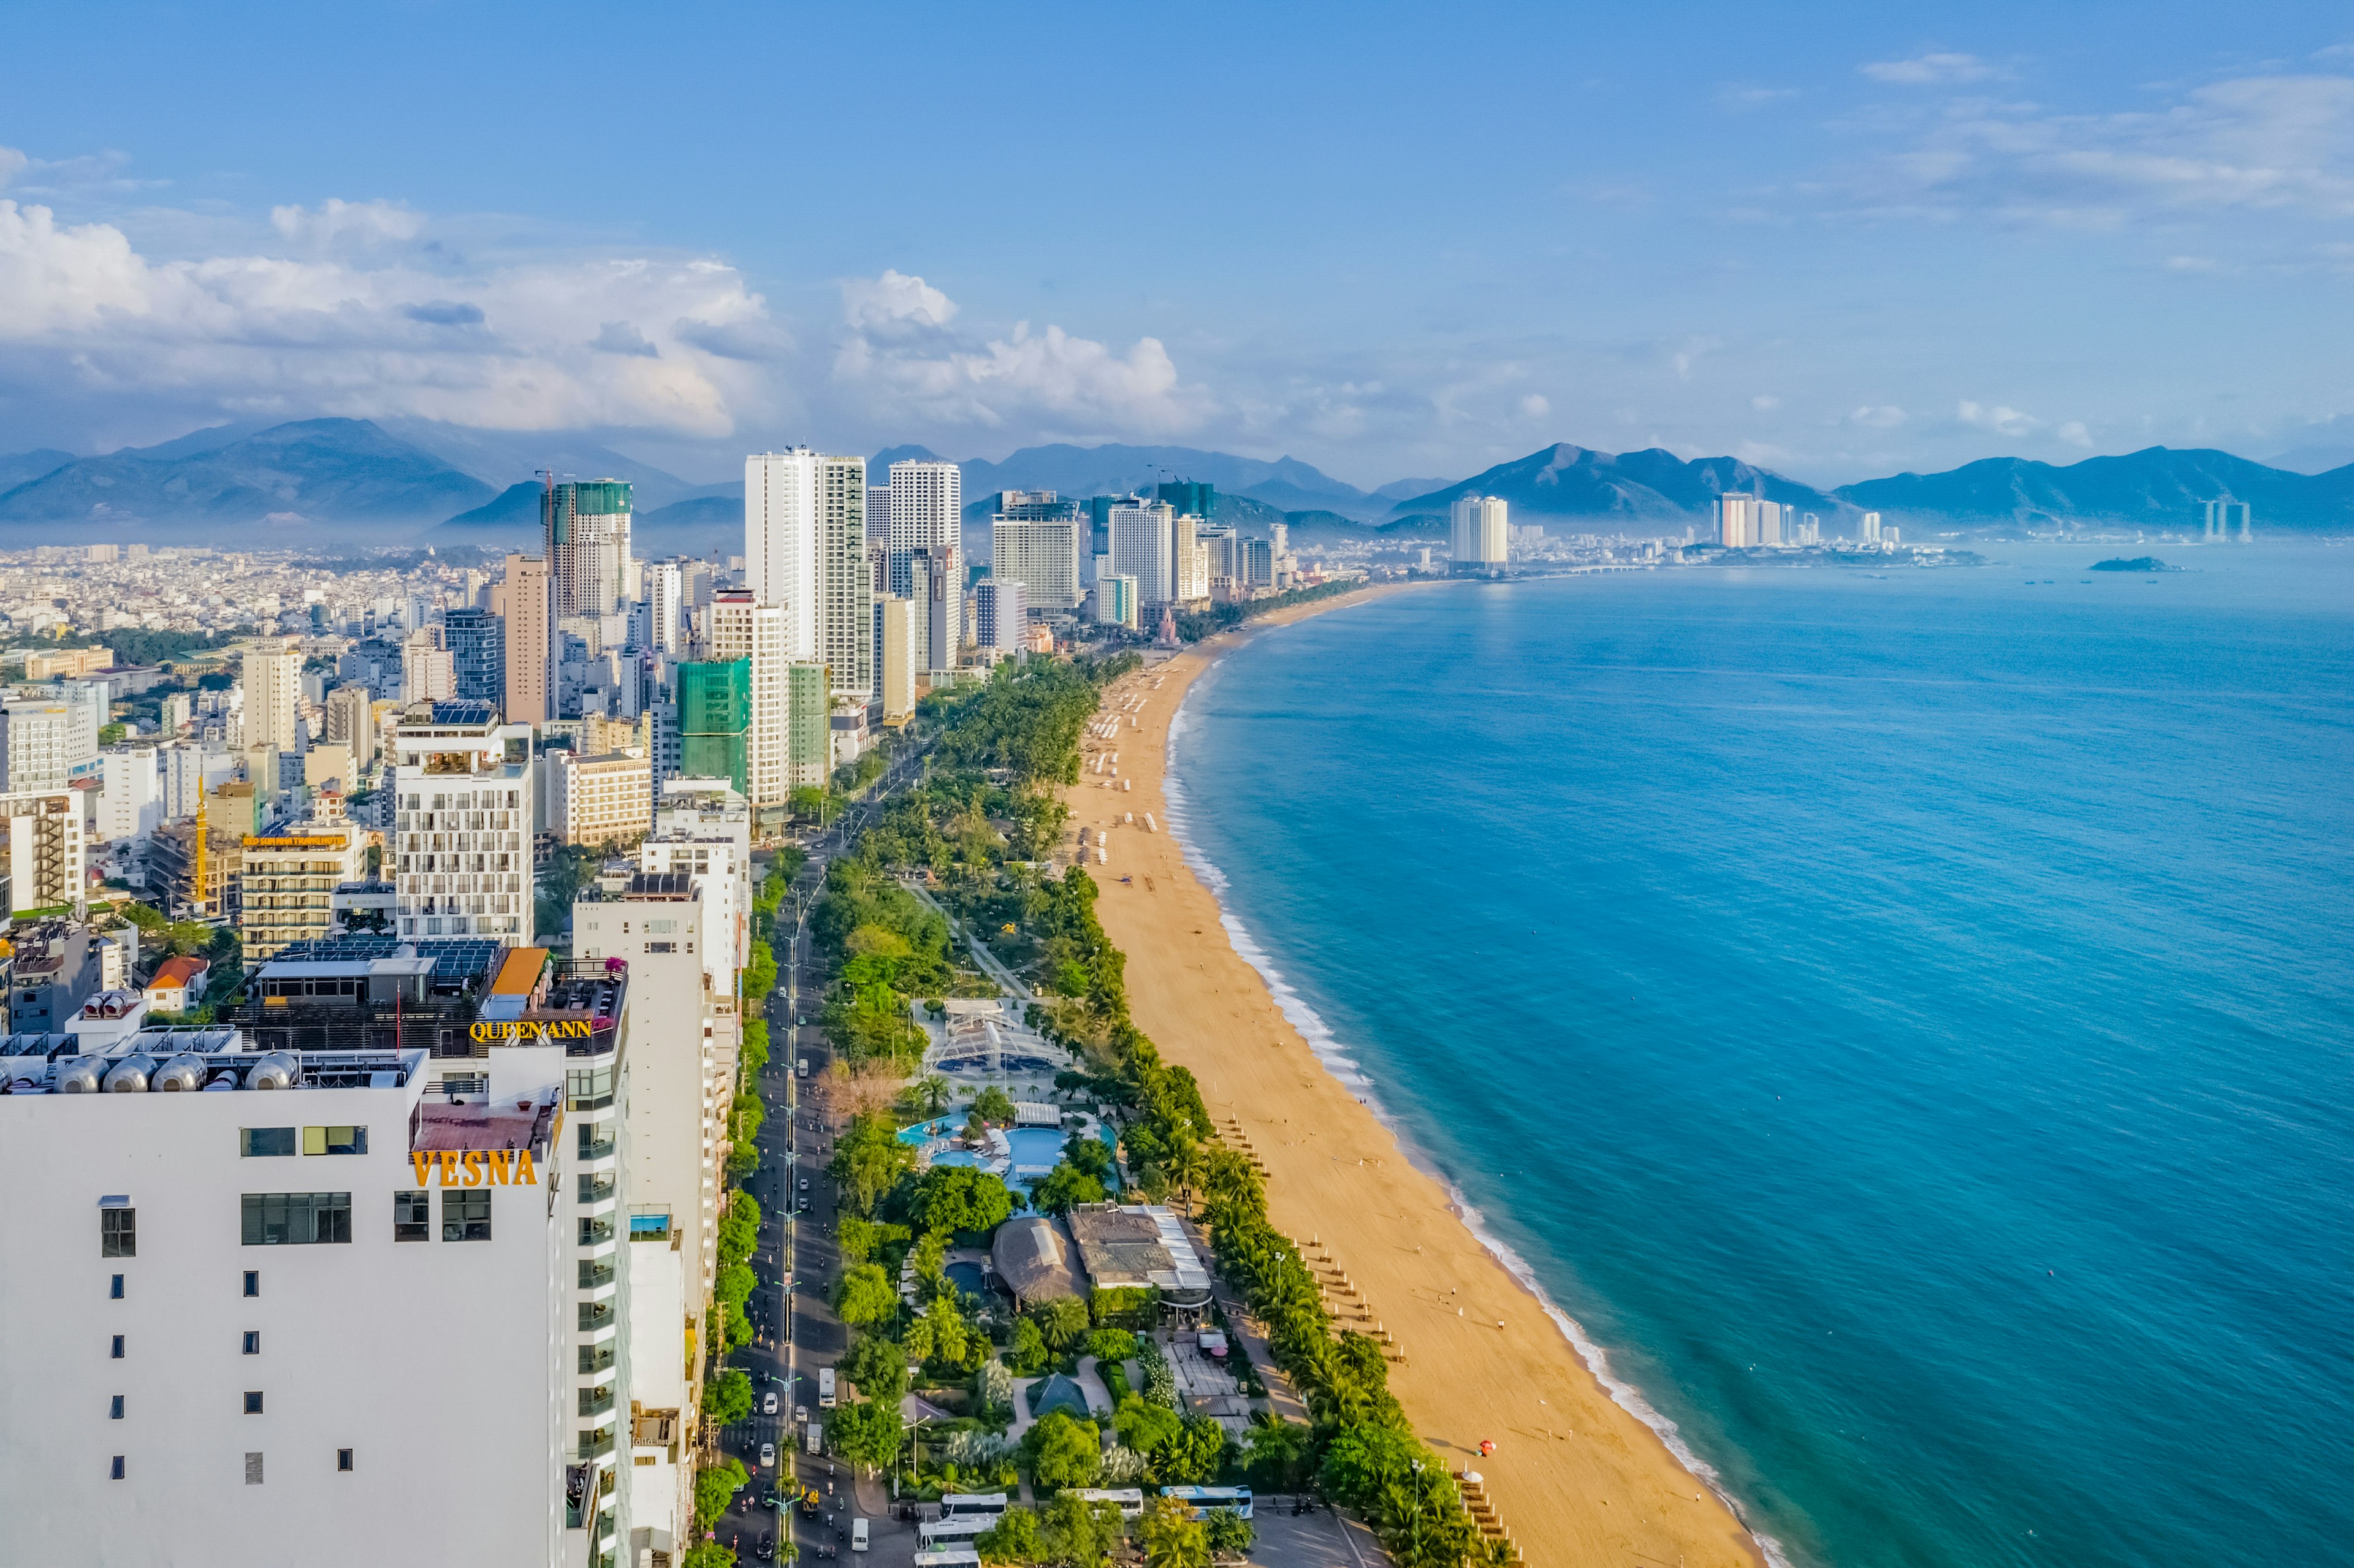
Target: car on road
{"x":804,"y":1208}
{"x":766,"y":1550}
{"x":768,"y":1455}
{"x":769,"y":1404}
{"x":804,"y":1184}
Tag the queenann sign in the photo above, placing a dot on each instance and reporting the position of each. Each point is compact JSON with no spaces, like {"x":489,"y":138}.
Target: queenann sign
{"x":509,"y":1032}
{"x":477,"y":1167}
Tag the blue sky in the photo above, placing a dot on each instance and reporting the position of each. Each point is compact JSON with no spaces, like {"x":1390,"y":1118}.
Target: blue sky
{"x":1840,"y":240}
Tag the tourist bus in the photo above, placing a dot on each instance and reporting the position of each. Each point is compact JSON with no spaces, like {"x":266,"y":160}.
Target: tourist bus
{"x":1236,"y":1500}
{"x":974,"y":1505}
{"x":950,"y":1557}
{"x":961,"y":1528}
{"x":1129,"y":1498}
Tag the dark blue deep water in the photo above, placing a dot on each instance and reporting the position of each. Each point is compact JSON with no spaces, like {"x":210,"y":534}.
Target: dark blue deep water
{"x":1903,"y":1019}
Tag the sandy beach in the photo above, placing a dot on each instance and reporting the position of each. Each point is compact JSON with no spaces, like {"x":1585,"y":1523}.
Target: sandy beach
{"x":1577,"y":1478}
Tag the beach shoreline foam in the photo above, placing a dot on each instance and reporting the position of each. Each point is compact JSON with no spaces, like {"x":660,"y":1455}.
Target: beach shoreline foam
{"x":1615,"y":1477}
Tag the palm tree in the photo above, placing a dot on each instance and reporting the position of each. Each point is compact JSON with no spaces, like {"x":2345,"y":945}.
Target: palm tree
{"x":1187,"y":1166}
{"x":932,"y":1093}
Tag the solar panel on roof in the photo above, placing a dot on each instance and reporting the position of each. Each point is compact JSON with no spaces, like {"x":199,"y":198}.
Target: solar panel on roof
{"x":454,"y":957}
{"x":457,"y":712}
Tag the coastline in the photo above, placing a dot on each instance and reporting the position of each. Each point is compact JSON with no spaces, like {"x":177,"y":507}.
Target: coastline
{"x":1583,"y":1473}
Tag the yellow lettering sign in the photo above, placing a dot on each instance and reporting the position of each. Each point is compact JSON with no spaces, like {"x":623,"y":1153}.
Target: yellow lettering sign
{"x":524,"y":1175}
{"x":501,"y":1164}
{"x":473,"y":1164}
{"x":476,"y":1167}
{"x":449,"y":1168}
{"x":528,"y":1029}
{"x":423,"y":1160}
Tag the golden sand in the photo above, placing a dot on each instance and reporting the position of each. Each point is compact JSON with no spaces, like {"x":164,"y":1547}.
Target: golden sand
{"x":1575,"y":1477}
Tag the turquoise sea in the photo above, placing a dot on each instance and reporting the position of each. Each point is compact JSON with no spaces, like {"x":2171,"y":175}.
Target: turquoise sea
{"x":1905,"y":1020}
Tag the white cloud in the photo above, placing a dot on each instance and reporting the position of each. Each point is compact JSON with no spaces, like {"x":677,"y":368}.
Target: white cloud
{"x":2002,"y":420}
{"x":506,"y":347}
{"x":1536,"y":405}
{"x":2278,"y":144}
{"x":1928,"y":70}
{"x":12,"y":164}
{"x":336,"y":221}
{"x":892,"y":302}
{"x":1884,"y":416}
{"x":2074,"y":433}
{"x":1765,"y":404}
{"x":900,"y":352}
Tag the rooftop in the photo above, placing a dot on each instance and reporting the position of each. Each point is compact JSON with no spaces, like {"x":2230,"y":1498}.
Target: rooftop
{"x":1139,"y":1245}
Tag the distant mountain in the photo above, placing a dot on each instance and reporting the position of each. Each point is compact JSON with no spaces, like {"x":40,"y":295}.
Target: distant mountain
{"x":1402,"y":489}
{"x":1072,"y":470}
{"x":18,"y":468}
{"x":2157,"y":487}
{"x":509,"y":519}
{"x":696,"y":526}
{"x":255,"y":487}
{"x":878,"y":467}
{"x":510,"y":456}
{"x":1572,"y":481}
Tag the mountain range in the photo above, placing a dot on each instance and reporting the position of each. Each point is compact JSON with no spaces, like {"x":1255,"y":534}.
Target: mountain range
{"x":415,"y":480}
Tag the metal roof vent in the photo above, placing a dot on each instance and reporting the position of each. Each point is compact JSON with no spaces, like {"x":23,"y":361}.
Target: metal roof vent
{"x":130,"y":1074}
{"x":278,"y":1070}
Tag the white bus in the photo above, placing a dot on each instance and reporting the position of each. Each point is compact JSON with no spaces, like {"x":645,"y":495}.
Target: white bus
{"x":974,"y":1505}
{"x":963,"y":1528}
{"x":1129,"y":1498}
{"x":825,"y":1388}
{"x":953,"y":1557}
{"x":1236,"y":1500}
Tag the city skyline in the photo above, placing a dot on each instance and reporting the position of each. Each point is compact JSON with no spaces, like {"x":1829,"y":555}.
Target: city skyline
{"x":1834,"y":246}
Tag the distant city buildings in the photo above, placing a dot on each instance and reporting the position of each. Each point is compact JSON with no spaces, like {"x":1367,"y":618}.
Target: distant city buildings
{"x":1479,"y":533}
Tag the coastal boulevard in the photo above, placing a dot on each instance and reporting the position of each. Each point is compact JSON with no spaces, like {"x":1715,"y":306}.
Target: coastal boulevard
{"x":1577,"y":1478}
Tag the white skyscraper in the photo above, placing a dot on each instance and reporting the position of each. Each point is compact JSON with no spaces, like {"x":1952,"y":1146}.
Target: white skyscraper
{"x":846,"y":638}
{"x":1044,"y":557}
{"x":1737,"y":520}
{"x":460,"y":778}
{"x":273,"y":679}
{"x":742,"y":627}
{"x":781,"y":566}
{"x":1769,"y":522}
{"x":666,"y":605}
{"x":1870,"y":528}
{"x":1143,"y":537}
{"x":928,"y":513}
{"x":1479,"y":531}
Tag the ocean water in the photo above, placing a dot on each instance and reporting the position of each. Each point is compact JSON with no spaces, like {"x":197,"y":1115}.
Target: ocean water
{"x":1904,"y":1022}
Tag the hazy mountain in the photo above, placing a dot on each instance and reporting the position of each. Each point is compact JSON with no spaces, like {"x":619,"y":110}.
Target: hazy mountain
{"x":256,"y":487}
{"x":1567,"y":480}
{"x":510,"y":456}
{"x":2157,"y":487}
{"x":1404,"y":489}
{"x":18,"y":468}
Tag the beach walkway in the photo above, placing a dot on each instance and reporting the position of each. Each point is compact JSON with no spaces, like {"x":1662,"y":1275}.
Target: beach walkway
{"x":1281,"y":1397}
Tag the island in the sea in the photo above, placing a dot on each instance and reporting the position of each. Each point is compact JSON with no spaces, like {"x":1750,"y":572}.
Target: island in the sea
{"x":2138,"y":564}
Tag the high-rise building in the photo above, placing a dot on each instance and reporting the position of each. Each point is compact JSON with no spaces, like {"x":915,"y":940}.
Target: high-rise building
{"x":461,"y":851}
{"x":1769,"y":522}
{"x":351,"y":724}
{"x":1186,"y":496}
{"x":1479,"y":531}
{"x":478,"y":655}
{"x":46,"y":850}
{"x":131,"y":798}
{"x":782,"y":566}
{"x":809,"y":707}
{"x":1870,"y":528}
{"x":429,"y":672}
{"x":290,"y":883}
{"x":1737,"y":520}
{"x":900,"y":652}
{"x":715,"y":721}
{"x":1115,"y":600}
{"x":530,"y":617}
{"x":1001,"y":613}
{"x":584,"y":536}
{"x":597,"y":800}
{"x":846,"y":632}
{"x":38,"y":746}
{"x":1189,"y":560}
{"x":272,"y":680}
{"x":1143,"y":546}
{"x":928,"y":513}
{"x":665,"y":601}
{"x":1042,"y":554}
{"x":744,"y":627}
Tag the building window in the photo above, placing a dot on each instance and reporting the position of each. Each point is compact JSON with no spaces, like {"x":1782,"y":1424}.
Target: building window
{"x":118,"y":1233}
{"x":264,"y":1142}
{"x":118,"y":1347}
{"x":114,"y":1411}
{"x":334,"y":1140}
{"x":252,"y":1469}
{"x":114,"y":1292}
{"x":253,"y":1282}
{"x":413,"y":1217}
{"x":343,"y":1458}
{"x":294,"y":1219}
{"x":117,"y":1472}
{"x":253,"y":1401}
{"x":465,"y":1216}
{"x":253,"y":1341}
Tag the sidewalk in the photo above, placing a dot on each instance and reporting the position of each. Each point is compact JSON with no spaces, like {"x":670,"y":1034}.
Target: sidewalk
{"x":1281,"y":1398}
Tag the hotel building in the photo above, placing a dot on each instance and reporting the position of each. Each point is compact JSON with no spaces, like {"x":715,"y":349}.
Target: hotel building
{"x":460,"y":850}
